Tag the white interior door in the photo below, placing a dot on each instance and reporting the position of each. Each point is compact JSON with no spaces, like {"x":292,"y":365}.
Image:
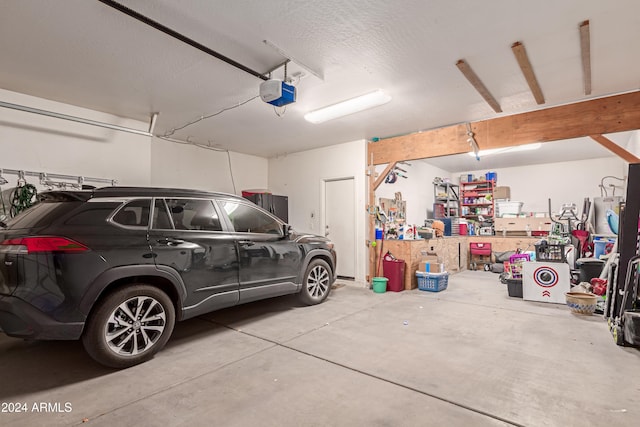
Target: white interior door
{"x":340,"y":219}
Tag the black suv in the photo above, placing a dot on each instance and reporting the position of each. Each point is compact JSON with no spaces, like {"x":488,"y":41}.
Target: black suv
{"x":118,"y":266}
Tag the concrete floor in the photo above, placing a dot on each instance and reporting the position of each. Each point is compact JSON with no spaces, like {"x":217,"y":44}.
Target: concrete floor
{"x":467,"y":356}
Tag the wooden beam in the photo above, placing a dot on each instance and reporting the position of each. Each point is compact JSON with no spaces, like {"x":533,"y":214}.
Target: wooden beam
{"x":611,"y":114}
{"x":615,"y":148}
{"x":372,"y":219}
{"x":383,"y":175}
{"x":585,"y":48}
{"x":475,"y":81}
{"x":523,"y":60}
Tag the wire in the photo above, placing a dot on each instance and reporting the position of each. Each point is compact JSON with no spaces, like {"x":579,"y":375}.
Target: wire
{"x":174,"y":130}
{"x":233,"y":182}
{"x":280,"y":114}
{"x":207,"y":147}
{"x":195,"y":144}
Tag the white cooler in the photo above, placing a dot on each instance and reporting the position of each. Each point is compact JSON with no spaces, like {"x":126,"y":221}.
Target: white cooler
{"x":545,"y":281}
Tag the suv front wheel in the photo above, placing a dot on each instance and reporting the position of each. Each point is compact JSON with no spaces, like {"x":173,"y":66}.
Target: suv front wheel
{"x":316,"y":282}
{"x":129,"y":326}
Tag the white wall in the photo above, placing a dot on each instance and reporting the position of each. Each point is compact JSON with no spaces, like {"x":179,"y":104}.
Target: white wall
{"x":300,"y":177}
{"x":32,"y":142}
{"x":633,"y":144}
{"x":187,"y":166}
{"x":563,"y":182}
{"x":44,"y":144}
{"x":417,"y":189}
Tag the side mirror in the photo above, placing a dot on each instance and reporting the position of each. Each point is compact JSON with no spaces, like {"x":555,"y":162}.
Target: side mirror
{"x":286,"y":230}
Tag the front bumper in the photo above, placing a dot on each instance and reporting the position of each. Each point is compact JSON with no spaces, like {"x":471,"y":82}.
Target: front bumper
{"x":22,"y":320}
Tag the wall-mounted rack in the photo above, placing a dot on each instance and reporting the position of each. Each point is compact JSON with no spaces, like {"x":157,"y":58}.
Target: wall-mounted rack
{"x":48,"y":179}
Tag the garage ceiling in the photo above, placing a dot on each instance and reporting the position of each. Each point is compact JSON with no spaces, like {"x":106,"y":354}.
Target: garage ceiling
{"x":85,"y":53}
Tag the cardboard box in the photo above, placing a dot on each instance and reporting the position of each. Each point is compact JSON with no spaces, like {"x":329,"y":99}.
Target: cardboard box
{"x":502,"y":193}
{"x":431,"y":267}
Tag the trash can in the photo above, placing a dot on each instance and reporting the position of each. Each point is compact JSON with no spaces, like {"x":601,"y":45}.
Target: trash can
{"x":589,"y":268}
{"x":394,"y":271}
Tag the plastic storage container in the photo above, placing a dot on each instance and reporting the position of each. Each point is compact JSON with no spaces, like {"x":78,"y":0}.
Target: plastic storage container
{"x":550,"y":252}
{"x":508,"y":208}
{"x":514,"y":287}
{"x":432,"y":282}
{"x":394,"y":271}
{"x":380,"y":285}
{"x":602,"y":246}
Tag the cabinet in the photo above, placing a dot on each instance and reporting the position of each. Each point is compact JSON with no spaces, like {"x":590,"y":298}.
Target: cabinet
{"x":477,"y":200}
{"x":277,"y":205}
{"x":446,"y":200}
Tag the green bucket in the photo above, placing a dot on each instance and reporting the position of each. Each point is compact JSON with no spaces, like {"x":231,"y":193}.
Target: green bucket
{"x":380,"y":284}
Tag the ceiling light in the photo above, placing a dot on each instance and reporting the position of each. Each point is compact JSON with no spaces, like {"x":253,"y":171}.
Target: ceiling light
{"x":484,"y":153}
{"x":347,"y":107}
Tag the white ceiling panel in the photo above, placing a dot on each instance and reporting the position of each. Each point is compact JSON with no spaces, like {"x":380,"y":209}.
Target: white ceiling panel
{"x":85,"y":53}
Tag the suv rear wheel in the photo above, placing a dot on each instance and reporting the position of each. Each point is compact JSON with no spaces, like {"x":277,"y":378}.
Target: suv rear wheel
{"x":316,"y":283}
{"x":129,"y":326}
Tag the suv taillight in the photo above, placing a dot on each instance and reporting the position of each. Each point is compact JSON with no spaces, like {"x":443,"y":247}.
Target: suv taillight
{"x":32,"y":245}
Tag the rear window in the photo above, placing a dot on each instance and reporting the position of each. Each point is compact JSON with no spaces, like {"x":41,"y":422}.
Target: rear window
{"x":42,"y":214}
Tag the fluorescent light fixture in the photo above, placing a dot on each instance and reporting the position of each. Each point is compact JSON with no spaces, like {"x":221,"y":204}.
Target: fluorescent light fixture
{"x":347,"y":107}
{"x":491,"y":151}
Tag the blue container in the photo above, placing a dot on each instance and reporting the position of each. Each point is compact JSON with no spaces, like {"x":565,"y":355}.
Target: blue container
{"x":432,"y":282}
{"x":491,"y":176}
{"x":378,"y":233}
{"x":600,"y":246}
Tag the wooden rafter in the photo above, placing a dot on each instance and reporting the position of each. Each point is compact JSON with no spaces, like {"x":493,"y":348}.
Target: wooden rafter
{"x":585,"y":48}
{"x":611,"y":114}
{"x":475,"y":81}
{"x":615,"y":148}
{"x":383,"y":175}
{"x":525,"y":65}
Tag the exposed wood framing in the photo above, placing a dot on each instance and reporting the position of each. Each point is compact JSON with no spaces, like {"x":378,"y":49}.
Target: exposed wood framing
{"x":615,"y":148}
{"x":585,"y":48}
{"x":384,"y":174}
{"x":617,"y":113}
{"x":589,"y":118}
{"x":371,"y":169}
{"x":478,"y":85}
{"x":523,"y":61}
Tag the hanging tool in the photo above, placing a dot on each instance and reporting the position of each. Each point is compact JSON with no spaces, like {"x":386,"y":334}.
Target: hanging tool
{"x":22,"y":196}
{"x":472,"y":142}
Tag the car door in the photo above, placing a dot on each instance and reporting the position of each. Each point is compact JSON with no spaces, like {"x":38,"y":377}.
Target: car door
{"x":269,"y":262}
{"x":187,"y":235}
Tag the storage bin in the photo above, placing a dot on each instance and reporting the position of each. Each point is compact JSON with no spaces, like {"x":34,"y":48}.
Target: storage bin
{"x":602,"y":246}
{"x":550,"y":252}
{"x":509,"y":208}
{"x":514,"y":287}
{"x":432,"y":282}
{"x":394,"y":271}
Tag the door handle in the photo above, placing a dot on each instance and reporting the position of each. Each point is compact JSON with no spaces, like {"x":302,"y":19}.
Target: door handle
{"x":170,"y":241}
{"x":246,"y":243}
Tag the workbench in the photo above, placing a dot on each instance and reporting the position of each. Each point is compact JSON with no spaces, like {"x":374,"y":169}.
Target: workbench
{"x":452,"y":251}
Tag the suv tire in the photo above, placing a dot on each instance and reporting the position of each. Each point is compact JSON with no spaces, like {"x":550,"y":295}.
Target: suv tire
{"x":129,"y":326}
{"x":316,"y":283}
